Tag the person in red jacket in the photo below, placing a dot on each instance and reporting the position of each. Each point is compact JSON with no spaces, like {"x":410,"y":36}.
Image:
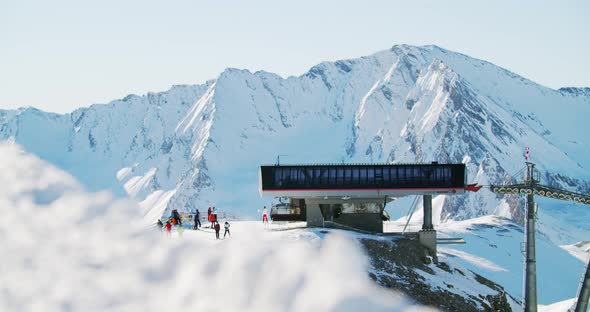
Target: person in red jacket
{"x":217,"y":229}
{"x":210,"y":217}
{"x":168,"y":228}
{"x":264,"y":216}
{"x":213,"y":217}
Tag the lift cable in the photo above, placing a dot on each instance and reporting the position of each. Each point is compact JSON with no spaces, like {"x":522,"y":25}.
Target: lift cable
{"x":411,"y":213}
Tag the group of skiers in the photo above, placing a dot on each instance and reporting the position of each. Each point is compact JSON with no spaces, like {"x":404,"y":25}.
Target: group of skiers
{"x":176,"y":219}
{"x":212,"y":217}
{"x":168,"y":227}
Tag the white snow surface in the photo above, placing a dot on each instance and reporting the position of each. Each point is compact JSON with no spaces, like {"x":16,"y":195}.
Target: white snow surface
{"x":561,"y":306}
{"x":494,"y":249}
{"x":474,"y":260}
{"x":64,"y":249}
{"x":580,"y":250}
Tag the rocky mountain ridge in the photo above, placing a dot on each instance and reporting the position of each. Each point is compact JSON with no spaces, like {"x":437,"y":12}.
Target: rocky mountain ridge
{"x":199,"y":145}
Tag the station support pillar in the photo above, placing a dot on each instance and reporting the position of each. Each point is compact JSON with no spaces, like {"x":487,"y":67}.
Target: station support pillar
{"x":427,"y":225}
{"x":427,"y":235}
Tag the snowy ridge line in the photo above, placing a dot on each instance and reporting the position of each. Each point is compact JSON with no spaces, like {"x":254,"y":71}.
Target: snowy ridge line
{"x":206,"y":142}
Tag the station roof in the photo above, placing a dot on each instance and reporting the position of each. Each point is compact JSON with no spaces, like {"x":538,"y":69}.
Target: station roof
{"x":361,"y":180}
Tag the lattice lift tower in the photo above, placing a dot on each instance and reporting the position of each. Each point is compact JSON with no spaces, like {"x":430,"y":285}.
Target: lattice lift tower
{"x":531,"y":187}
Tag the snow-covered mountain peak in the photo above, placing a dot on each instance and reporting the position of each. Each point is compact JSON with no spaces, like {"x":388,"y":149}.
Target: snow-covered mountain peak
{"x":197,"y":145}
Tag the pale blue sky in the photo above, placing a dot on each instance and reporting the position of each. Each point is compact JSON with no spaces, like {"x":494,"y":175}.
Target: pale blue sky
{"x":60,"y":55}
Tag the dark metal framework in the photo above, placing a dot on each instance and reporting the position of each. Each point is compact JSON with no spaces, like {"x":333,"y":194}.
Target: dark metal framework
{"x":362,"y":176}
{"x":530,"y":188}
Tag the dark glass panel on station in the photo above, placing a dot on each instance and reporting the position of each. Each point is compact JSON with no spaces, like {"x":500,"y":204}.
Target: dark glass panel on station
{"x":316,"y":175}
{"x":332,"y":176}
{"x":363,"y":176}
{"x":385,"y":175}
{"x":340,"y":176}
{"x":347,"y":175}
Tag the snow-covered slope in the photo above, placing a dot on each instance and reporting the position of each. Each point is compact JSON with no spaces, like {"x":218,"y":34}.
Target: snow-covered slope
{"x":561,"y":306}
{"x":493,"y":248}
{"x":196,"y":146}
{"x":580,"y":250}
{"x":87,"y":259}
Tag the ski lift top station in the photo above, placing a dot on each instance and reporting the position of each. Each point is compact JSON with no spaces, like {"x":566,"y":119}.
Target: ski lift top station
{"x":354,"y":195}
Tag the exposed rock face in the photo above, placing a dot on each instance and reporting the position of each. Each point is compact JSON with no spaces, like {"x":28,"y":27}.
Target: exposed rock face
{"x":398,"y":264}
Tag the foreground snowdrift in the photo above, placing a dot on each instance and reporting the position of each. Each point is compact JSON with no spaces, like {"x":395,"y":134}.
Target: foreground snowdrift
{"x":67,"y":250}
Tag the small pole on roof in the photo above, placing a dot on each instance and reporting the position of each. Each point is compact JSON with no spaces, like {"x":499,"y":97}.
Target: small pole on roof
{"x":279,"y":159}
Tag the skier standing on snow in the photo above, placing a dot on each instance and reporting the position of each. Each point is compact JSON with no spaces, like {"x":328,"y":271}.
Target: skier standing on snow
{"x":197,"y":220}
{"x":160,"y":224}
{"x":176,"y":216}
{"x":264,"y":216}
{"x":172,"y":219}
{"x":168,"y":228}
{"x":217,"y":229}
{"x":209,"y":216}
{"x":180,"y":230}
{"x":213,"y":216}
{"x":226,"y":226}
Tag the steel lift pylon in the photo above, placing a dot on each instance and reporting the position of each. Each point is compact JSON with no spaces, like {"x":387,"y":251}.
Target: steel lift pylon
{"x":531,"y":187}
